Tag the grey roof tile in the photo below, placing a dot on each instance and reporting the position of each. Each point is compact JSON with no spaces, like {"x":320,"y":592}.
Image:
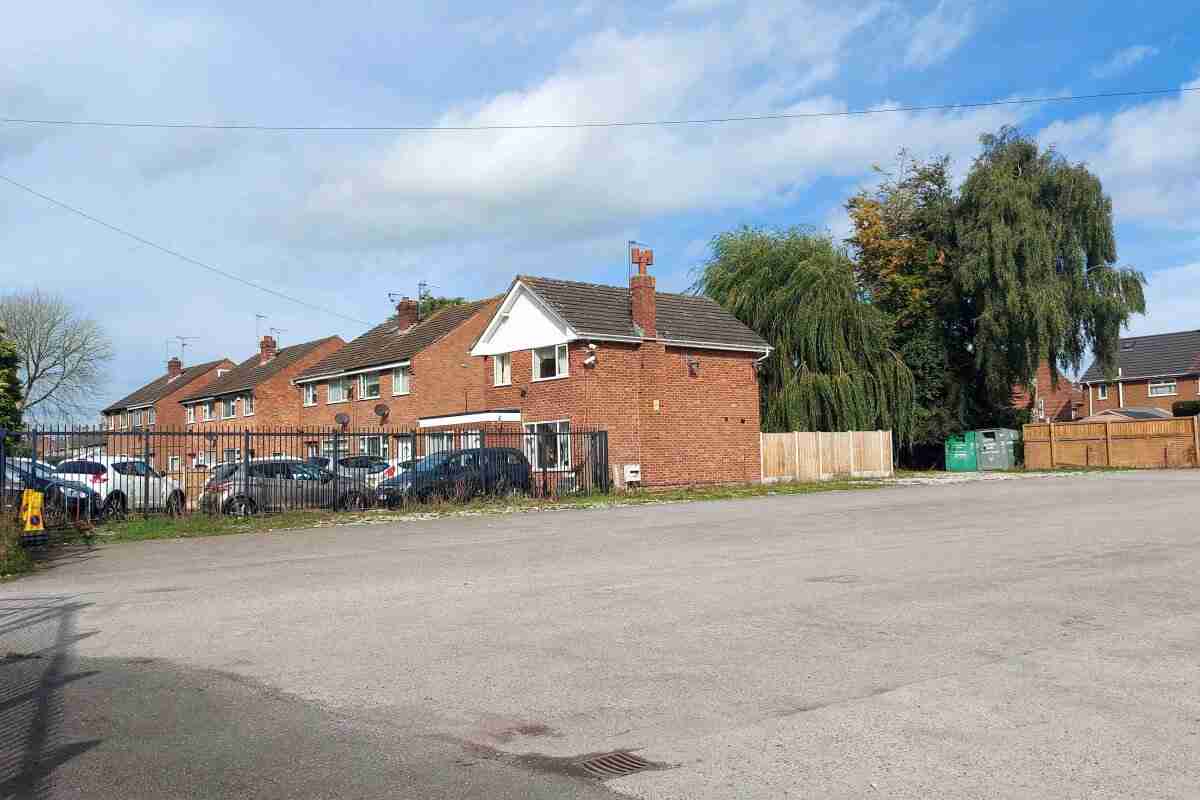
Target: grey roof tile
{"x":252,"y":372}
{"x":1153,"y":356}
{"x":162,"y":386}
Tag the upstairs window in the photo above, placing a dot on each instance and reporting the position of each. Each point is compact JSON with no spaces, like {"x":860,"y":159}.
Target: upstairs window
{"x":152,"y":417}
{"x":191,"y":415}
{"x":550,"y":362}
{"x":209,"y":411}
{"x":248,"y":405}
{"x":309,"y":392}
{"x":368,"y":386}
{"x":502,"y":369}
{"x":229,"y":408}
{"x":1102,"y":391}
{"x":1162,"y":388}
{"x":402,"y":380}
{"x":339,"y":390}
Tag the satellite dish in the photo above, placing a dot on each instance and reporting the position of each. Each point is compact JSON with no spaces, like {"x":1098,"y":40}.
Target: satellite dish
{"x":382,"y":411}
{"x":342,"y":419}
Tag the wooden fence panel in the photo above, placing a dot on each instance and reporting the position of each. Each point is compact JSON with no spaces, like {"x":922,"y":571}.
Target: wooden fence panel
{"x":1145,"y":444}
{"x":823,"y":456}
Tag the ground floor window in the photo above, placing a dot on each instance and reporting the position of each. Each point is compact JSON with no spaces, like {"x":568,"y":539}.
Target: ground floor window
{"x":313,"y":450}
{"x":343,"y":446}
{"x":438,"y":442}
{"x":231,"y":454}
{"x":173,"y":464}
{"x":373,"y":446}
{"x":548,"y":444}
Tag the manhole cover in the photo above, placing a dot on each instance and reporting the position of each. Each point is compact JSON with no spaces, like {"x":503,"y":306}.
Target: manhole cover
{"x":614,"y":765}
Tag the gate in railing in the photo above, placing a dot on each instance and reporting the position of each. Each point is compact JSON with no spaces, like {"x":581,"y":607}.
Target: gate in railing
{"x":98,"y":473}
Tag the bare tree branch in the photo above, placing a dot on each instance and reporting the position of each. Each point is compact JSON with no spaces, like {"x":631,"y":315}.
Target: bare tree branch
{"x":63,"y":353}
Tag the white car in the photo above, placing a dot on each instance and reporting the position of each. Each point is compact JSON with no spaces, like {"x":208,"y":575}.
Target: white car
{"x":126,"y":483}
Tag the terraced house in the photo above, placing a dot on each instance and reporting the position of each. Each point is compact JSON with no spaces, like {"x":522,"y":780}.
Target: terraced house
{"x":391,"y":377}
{"x":257,"y":394}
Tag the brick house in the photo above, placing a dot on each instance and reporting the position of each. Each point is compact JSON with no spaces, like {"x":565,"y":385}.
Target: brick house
{"x":254,"y":395}
{"x":1152,"y":372}
{"x":407,"y":367}
{"x":155,"y":406}
{"x":1047,"y":402}
{"x":671,"y":377}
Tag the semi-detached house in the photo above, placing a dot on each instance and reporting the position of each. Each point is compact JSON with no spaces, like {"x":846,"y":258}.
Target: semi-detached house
{"x":1152,"y":372}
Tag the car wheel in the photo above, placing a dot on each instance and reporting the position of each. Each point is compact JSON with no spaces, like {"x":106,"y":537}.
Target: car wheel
{"x":54,"y":513}
{"x":240,"y":507}
{"x":175,"y":505}
{"x":115,"y":507}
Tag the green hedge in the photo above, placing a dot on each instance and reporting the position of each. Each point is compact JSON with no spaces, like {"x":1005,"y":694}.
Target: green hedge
{"x":1185,"y":408}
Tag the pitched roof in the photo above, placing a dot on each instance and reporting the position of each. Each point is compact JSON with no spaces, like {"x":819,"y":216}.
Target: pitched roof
{"x":385,"y":344}
{"x":1152,"y":356}
{"x":595,"y":310}
{"x":252,"y":372}
{"x":162,"y":386}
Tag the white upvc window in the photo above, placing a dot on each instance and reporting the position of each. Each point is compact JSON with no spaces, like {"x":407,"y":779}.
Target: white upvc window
{"x":373,"y":446}
{"x":312,"y":449}
{"x":1102,"y":391}
{"x":191,"y":415}
{"x":402,"y":380}
{"x":309,"y":392}
{"x":231,"y":455}
{"x":548,"y":444}
{"x":229,"y":408}
{"x":550,"y":362}
{"x":209,"y":410}
{"x":247,"y":405}
{"x":438,"y":442}
{"x":368,"y":386}
{"x":153,"y":416}
{"x":173,"y":464}
{"x":502,"y":369}
{"x":137,"y":419}
{"x":1162,"y":388}
{"x":221,"y":372}
{"x":338,"y":391}
{"x":1041,"y":408}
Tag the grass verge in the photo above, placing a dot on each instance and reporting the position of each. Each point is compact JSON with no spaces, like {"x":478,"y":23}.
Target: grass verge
{"x":14,"y":560}
{"x":136,"y":529}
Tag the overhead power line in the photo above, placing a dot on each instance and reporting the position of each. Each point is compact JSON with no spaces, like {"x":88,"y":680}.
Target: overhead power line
{"x":238,"y":126}
{"x":177,"y":254}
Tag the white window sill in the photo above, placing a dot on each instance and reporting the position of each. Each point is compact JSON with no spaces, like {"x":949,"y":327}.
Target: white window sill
{"x":502,"y":385}
{"x":553,"y":378}
{"x":310,"y":405}
{"x":372,"y":397}
{"x":248,"y":415}
{"x":335,"y":402}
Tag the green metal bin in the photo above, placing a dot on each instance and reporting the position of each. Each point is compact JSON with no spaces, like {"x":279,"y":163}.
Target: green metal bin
{"x":996,"y":448}
{"x":961,"y":454}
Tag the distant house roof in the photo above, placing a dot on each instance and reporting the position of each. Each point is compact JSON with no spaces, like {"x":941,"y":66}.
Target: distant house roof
{"x":387,"y":344}
{"x":1133,"y":412}
{"x":162,"y":386}
{"x":252,"y":371}
{"x":606,"y":312}
{"x":1153,"y":356}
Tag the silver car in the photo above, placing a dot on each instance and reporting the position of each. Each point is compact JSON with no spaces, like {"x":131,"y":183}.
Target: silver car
{"x":281,"y":484}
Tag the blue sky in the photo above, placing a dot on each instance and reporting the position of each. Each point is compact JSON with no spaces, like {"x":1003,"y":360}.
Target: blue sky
{"x":342,"y":219}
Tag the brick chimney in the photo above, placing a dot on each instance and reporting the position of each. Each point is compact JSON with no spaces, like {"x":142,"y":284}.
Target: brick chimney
{"x":174,"y":367}
{"x":641,"y":294}
{"x":266,"y":349}
{"x":407,"y":313}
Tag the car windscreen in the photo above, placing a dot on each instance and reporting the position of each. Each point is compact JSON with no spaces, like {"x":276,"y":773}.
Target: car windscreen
{"x":223,"y":471}
{"x":81,"y":468}
{"x":431,"y":461}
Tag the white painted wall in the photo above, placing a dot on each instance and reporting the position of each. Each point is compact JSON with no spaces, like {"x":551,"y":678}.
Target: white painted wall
{"x":527,"y":325}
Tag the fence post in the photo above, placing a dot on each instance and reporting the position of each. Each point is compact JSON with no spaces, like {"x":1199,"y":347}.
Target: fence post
{"x":820,"y":464}
{"x":333,"y":466}
{"x":796,"y":455}
{"x":1195,"y":443}
{"x":1052,"y":464}
{"x":246,"y":462}
{"x":146,"y":474}
{"x":1108,"y":442}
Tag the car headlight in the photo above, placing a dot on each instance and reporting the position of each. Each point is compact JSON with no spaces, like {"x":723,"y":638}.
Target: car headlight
{"x":74,"y":494}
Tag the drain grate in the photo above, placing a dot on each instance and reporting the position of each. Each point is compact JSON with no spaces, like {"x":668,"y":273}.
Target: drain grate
{"x":614,"y":765}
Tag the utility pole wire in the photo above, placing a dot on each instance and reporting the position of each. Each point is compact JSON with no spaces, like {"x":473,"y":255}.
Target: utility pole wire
{"x":176,"y":253}
{"x":235,"y":126}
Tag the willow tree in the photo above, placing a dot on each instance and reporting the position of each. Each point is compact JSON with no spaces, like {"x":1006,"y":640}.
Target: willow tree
{"x":831,"y":367}
{"x":1037,"y":264}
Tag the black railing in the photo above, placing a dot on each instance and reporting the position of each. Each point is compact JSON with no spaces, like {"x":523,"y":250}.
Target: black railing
{"x":96,"y":474}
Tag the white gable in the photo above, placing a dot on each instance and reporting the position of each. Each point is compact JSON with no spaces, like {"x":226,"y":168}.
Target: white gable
{"x":522,"y":322}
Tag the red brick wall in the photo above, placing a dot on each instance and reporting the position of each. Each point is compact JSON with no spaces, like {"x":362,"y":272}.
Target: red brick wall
{"x":1063,"y":403}
{"x":439,"y":384}
{"x":1137,"y":394}
{"x":705,"y":426}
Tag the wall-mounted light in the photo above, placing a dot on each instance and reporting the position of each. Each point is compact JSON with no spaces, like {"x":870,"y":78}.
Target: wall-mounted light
{"x":693,"y":365}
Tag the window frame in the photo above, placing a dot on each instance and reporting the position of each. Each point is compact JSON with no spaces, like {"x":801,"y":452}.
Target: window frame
{"x":362,"y":385}
{"x":532,"y":449}
{"x":174,"y":464}
{"x":383,"y":445}
{"x":1102,"y":391}
{"x":248,"y":405}
{"x":305,"y":390}
{"x":406,"y":382}
{"x":209,"y":408}
{"x":502,"y":369}
{"x":151,"y":416}
{"x":564,"y":361}
{"x":1151,"y":385}
{"x":343,"y":383}
{"x":229,"y":408}
{"x":191,"y":415}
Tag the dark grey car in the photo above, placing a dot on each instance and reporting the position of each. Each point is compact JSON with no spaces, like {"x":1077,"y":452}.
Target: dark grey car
{"x":277,"y":484}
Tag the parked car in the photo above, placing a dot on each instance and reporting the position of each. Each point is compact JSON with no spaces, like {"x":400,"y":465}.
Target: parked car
{"x":459,"y":474}
{"x":278,"y":484}
{"x":125,"y":484}
{"x":62,"y":501}
{"x":372,"y":469}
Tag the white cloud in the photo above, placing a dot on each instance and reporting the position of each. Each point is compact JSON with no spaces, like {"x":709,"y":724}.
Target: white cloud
{"x":1172,"y":297}
{"x":939,"y":33}
{"x":1148,"y":157}
{"x":1124,"y":60}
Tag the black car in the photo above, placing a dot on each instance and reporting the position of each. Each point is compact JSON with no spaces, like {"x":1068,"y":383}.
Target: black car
{"x":459,"y":475}
{"x":63,"y":502}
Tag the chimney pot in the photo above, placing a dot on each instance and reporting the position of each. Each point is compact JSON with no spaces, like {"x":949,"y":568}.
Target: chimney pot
{"x":174,"y":367}
{"x":267,"y":348}
{"x":407,"y":313}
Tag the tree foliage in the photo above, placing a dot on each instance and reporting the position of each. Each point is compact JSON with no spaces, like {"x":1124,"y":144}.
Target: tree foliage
{"x":62,"y":354}
{"x":10,"y":385}
{"x":984,"y":282}
{"x":831,"y":367}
